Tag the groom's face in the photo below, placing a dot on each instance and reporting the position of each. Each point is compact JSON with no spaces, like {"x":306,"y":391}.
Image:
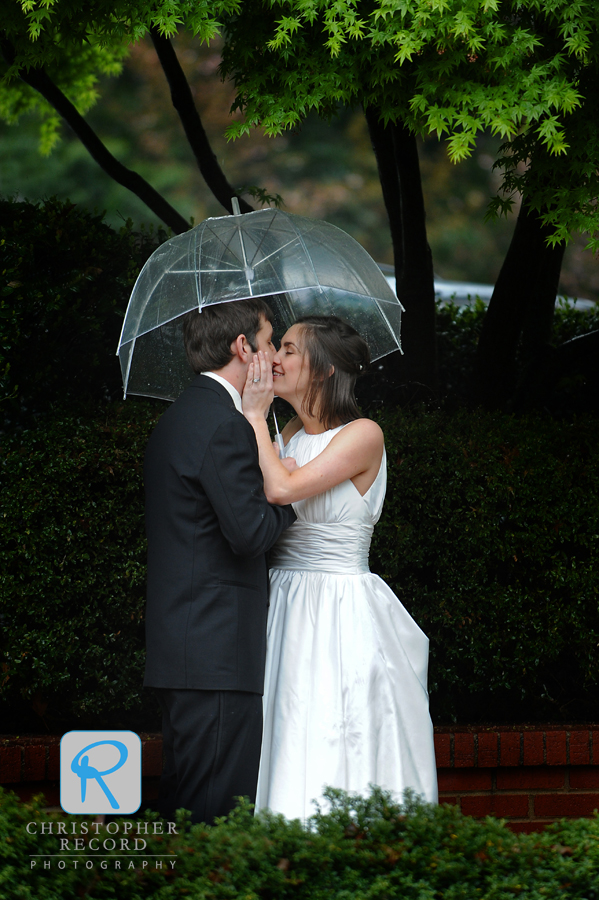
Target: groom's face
{"x":264,"y":340}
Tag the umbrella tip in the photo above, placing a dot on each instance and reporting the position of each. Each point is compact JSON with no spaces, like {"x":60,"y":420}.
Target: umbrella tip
{"x":235,"y":205}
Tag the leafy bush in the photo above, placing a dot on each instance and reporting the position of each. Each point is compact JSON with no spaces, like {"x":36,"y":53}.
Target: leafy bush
{"x":66,"y":277}
{"x":72,"y":577}
{"x":458,"y":330}
{"x":362,"y":849}
{"x":488,"y":537}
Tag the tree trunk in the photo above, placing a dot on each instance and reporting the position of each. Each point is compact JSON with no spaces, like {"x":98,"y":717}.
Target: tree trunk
{"x":537,"y":327}
{"x":537,"y":352}
{"x":192,"y":124}
{"x":39,"y":81}
{"x":399,"y":171}
{"x":521,"y":306}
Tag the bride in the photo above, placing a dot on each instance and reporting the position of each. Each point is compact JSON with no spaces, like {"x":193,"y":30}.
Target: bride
{"x":345,"y":697}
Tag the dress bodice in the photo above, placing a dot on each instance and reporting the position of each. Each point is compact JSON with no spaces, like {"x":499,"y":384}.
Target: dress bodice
{"x":333,"y":530}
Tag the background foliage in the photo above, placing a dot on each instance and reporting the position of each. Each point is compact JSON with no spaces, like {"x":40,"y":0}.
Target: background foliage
{"x":523,"y":70}
{"x":72,"y":588}
{"x":362,"y":849}
{"x":321,"y":169}
{"x":66,"y":277}
{"x":458,"y":329}
{"x":488,"y":537}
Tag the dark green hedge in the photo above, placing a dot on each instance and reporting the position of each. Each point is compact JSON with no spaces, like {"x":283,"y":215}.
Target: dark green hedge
{"x":458,"y":330}
{"x":72,"y":565}
{"x":363,"y":849}
{"x":65,"y":279}
{"x":489,"y":538}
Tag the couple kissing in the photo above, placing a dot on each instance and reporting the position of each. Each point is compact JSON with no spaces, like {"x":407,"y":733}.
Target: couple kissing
{"x":341,"y":664}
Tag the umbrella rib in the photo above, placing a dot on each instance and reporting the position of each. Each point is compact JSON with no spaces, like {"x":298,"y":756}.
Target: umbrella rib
{"x":123,"y":328}
{"x":303,"y":243}
{"x":388,"y":323}
{"x":201,"y":271}
{"x":245,"y":262}
{"x":225,"y":244}
{"x":199,"y":234}
{"x":274,"y":252}
{"x":219,"y":258}
{"x":129,"y":360}
{"x":270,"y":224}
{"x":213,"y":255}
{"x":199,"y":257}
{"x":155,"y":327}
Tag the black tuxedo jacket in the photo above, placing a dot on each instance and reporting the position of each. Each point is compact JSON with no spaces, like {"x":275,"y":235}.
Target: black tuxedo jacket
{"x":209,"y":526}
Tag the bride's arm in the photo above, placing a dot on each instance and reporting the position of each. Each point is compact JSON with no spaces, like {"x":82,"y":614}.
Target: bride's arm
{"x":356,"y":449}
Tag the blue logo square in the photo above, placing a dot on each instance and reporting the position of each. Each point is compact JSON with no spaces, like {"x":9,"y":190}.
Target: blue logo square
{"x":100,"y":772}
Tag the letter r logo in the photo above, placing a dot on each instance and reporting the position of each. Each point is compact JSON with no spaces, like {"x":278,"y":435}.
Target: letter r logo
{"x":100,"y":772}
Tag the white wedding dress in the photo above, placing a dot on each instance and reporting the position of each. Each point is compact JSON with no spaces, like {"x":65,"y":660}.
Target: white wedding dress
{"x":345,"y":699}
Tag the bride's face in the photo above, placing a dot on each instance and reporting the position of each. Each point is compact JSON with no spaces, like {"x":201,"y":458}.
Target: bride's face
{"x":291,"y":369}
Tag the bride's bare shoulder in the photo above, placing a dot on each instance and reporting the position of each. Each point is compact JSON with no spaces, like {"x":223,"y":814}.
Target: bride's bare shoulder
{"x":364,"y":430}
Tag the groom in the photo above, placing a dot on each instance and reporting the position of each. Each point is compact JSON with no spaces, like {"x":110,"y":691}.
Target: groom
{"x":209,"y":526}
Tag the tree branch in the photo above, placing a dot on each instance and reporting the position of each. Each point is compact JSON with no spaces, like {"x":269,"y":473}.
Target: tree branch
{"x":381,"y":139}
{"x":40,"y":81}
{"x":192,"y":124}
{"x":396,"y":154}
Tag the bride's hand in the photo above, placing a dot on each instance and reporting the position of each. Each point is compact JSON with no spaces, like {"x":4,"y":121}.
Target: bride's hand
{"x":288,"y":461}
{"x":258,"y":391}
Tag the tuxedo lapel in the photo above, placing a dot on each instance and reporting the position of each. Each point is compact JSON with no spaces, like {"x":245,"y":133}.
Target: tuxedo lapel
{"x":210,"y":384}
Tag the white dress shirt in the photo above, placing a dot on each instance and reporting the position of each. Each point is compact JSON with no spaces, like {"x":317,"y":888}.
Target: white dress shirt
{"x":235,"y":395}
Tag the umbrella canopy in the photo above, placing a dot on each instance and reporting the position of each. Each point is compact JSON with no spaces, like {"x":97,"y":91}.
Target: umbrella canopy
{"x":303,"y":266}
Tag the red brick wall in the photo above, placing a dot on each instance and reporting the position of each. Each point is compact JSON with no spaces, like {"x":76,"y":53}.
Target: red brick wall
{"x":530,"y":776}
{"x":30,"y":765}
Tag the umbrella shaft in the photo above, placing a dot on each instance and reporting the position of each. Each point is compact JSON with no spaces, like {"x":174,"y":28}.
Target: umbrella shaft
{"x":278,"y":436}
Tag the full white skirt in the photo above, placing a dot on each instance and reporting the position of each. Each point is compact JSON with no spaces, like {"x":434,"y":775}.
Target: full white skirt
{"x":345,"y":700}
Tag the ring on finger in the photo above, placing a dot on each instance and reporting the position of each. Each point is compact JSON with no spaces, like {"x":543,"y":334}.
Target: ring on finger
{"x":256,"y":380}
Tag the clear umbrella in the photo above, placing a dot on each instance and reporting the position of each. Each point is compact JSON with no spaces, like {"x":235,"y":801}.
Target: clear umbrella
{"x":303,"y":266}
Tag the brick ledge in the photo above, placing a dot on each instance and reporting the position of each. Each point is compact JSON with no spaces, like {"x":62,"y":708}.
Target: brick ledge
{"x":529,"y":775}
{"x":549,"y":746}
{"x":35,"y":758}
{"x":32,"y":757}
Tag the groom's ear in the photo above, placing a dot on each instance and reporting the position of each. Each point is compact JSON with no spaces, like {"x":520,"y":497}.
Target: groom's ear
{"x":241,"y":349}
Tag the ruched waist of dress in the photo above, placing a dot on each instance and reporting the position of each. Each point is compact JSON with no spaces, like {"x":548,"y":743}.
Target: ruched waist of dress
{"x":332,"y":547}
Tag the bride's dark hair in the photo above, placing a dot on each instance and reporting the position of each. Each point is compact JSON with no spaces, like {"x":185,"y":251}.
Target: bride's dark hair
{"x":337,"y":355}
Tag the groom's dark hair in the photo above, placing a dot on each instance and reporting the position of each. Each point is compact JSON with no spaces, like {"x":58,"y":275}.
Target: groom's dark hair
{"x":208,"y":334}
